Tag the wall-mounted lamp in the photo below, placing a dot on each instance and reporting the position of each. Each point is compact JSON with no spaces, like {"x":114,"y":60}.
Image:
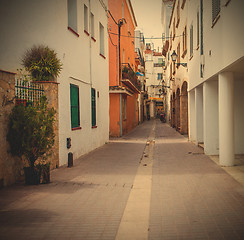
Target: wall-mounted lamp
{"x":174,"y":57}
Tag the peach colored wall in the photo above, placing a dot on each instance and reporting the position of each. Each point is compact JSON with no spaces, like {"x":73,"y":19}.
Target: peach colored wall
{"x":114,"y":115}
{"x":126,"y":44}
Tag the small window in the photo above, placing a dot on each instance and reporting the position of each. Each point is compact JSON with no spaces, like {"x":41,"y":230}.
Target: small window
{"x":178,"y":14}
{"x":160,"y":76}
{"x":101,"y":33}
{"x":215,"y":9}
{"x":184,"y":45}
{"x":93,"y":107}
{"x":74,"y":106}
{"x":86,"y":18}
{"x":178,"y":54}
{"x":72,"y":15}
{"x":92,"y":25}
{"x":191,"y":40}
{"x":198,"y":32}
{"x":124,"y":103}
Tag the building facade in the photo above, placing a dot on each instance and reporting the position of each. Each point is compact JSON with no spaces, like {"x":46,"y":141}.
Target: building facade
{"x":208,"y":71}
{"x":155,"y":103}
{"x":216,"y":77}
{"x":77,"y":31}
{"x":124,"y":86}
{"x":178,"y":72}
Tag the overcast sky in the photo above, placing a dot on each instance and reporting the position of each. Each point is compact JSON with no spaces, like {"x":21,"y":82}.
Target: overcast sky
{"x":148,"y":17}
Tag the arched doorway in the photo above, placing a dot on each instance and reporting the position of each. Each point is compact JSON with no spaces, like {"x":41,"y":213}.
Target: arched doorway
{"x":173,"y":111}
{"x":184,"y":109}
{"x":177,"y":110}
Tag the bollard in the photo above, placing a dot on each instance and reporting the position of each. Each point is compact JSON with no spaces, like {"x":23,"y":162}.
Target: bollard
{"x":70,"y":159}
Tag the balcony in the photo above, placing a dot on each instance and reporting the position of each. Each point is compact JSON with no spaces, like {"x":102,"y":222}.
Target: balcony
{"x":159,"y":64}
{"x":129,"y":78}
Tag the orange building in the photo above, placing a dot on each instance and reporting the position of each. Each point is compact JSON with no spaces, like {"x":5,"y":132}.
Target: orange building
{"x":124,"y":86}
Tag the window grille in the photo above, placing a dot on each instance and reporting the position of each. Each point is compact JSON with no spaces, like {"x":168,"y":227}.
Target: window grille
{"x":93,"y":106}
{"x":27,"y":92}
{"x":215,"y":9}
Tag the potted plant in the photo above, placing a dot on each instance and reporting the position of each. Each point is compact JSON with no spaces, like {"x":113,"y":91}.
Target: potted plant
{"x":31,"y":135}
{"x":42,"y":63}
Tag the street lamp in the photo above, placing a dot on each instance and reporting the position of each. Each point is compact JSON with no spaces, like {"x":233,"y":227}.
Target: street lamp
{"x":174,"y":57}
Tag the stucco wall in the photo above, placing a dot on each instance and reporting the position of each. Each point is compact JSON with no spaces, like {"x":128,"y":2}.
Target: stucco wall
{"x":23,"y":24}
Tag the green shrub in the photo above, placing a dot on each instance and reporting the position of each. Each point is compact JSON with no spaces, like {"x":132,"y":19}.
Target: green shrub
{"x":42,"y":63}
{"x":30,"y":131}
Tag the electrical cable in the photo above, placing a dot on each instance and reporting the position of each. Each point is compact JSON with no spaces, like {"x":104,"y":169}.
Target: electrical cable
{"x":163,"y":38}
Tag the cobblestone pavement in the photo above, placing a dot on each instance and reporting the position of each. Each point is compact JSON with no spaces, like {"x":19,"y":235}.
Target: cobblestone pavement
{"x":191,"y":196}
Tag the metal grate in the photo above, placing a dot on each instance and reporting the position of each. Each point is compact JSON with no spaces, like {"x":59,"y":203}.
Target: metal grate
{"x":27,"y":92}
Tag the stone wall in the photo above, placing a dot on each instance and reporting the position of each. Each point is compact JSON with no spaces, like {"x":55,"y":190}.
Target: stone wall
{"x":51,"y":92}
{"x":10,"y":167}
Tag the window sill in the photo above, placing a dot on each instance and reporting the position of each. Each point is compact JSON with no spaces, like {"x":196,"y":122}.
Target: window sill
{"x":73,"y":31}
{"x":87,"y":33}
{"x":75,"y":128}
{"x":93,"y":39}
{"x":94,"y":126}
{"x":102,"y":56}
{"x":215,"y":20}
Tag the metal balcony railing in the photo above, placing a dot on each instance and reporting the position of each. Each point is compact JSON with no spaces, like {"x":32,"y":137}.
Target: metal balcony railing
{"x":129,"y":74}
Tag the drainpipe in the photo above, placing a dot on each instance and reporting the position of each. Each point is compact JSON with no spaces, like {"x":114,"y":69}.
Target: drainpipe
{"x":120,"y":23}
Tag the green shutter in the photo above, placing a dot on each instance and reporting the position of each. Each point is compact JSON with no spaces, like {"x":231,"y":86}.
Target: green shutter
{"x":93,"y":106}
{"x":74,"y":102}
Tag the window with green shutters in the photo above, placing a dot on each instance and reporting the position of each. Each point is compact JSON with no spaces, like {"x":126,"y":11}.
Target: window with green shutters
{"x":93,"y":106}
{"x":74,"y":106}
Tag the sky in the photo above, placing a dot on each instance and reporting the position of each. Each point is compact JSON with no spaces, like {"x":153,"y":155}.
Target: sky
{"x":148,"y":17}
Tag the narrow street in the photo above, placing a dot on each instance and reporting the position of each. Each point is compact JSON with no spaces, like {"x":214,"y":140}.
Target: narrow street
{"x":150,"y":184}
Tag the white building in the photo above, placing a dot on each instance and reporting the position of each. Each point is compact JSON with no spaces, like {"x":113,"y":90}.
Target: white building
{"x":154,"y":81}
{"x":177,"y":71}
{"x":140,"y":63}
{"x":216,"y":77}
{"x":77,"y":31}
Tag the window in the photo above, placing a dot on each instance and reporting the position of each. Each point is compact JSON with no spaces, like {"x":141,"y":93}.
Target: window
{"x":183,"y":3}
{"x":170,"y":40}
{"x":74,"y":105}
{"x":101,"y":34}
{"x":122,"y":9}
{"x":191,"y":40}
{"x":178,"y":54}
{"x":93,"y":106}
{"x":72,"y":15}
{"x":124,"y":103}
{"x":160,"y":76}
{"x":215,"y":10}
{"x":198,"y":28}
{"x":178,"y":14}
{"x":86,"y":19}
{"x":92,"y":26}
{"x":174,"y":29}
{"x":184,"y":47}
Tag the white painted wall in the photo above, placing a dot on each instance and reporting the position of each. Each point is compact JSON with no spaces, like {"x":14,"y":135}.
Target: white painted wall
{"x":210,"y":117}
{"x":239,"y":115}
{"x":25,"y":23}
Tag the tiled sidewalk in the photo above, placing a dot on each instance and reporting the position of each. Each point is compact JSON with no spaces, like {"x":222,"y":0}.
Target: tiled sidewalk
{"x":83,"y":202}
{"x":192,"y":197}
